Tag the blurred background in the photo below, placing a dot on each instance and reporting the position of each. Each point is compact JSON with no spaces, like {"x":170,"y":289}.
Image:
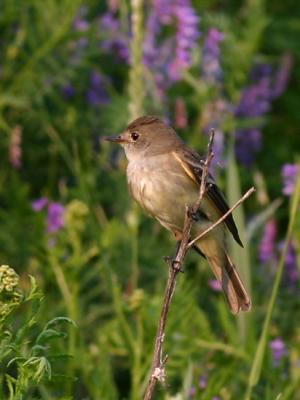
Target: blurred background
{"x":83,"y":275}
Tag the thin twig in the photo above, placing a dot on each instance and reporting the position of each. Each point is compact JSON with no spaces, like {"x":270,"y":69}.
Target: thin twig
{"x":220,"y":220}
{"x":205,"y":170}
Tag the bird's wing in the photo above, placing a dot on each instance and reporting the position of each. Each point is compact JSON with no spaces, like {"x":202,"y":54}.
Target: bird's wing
{"x":192,"y":163}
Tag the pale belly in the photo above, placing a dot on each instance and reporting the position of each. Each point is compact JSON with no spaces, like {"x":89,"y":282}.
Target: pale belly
{"x":163,"y":193}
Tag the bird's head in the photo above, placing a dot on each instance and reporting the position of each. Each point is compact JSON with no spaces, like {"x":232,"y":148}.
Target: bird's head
{"x":146,"y":136}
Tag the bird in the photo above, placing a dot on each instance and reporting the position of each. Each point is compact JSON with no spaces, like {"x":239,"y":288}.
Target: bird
{"x":164,"y":176}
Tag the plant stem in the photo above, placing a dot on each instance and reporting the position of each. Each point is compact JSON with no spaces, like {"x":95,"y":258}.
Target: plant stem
{"x":136,"y":78}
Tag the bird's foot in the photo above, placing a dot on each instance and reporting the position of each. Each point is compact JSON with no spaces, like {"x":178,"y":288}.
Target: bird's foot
{"x":192,"y":214}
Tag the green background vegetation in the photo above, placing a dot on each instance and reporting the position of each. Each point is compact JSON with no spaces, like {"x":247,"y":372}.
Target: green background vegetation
{"x":105,"y":269}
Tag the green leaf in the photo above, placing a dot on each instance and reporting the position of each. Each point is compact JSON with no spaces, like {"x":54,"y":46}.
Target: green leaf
{"x":261,"y":218}
{"x":11,"y":100}
{"x":58,"y":320}
{"x":49,"y":334}
{"x":240,"y":255}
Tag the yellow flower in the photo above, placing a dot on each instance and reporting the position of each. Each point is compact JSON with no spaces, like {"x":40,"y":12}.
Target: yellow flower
{"x":76,"y":212}
{"x":9,"y":279}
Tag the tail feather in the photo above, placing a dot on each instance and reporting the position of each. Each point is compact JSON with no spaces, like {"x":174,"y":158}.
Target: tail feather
{"x":227,"y":274}
{"x":244,"y":300}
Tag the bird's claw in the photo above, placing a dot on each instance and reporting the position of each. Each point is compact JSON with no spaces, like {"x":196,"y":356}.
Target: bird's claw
{"x":193,"y":215}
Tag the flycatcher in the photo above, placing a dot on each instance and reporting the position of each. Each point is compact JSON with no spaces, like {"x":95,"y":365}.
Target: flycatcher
{"x":164,"y":176}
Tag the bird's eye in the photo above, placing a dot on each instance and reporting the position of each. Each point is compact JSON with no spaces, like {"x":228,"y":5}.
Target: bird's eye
{"x":134,"y":136}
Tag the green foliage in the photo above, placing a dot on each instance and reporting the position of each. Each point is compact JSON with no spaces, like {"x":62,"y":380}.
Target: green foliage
{"x":26,"y":364}
{"x":259,"y":355}
{"x":104,"y":268}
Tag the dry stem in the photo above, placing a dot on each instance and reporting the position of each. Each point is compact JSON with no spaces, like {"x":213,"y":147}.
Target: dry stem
{"x":175,"y":266}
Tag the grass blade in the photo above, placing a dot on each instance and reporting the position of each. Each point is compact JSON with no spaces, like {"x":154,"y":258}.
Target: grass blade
{"x":239,"y":254}
{"x":260,"y":350}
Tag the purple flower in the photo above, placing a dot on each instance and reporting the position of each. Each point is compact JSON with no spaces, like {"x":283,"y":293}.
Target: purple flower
{"x":110,"y":23}
{"x":289,"y":174}
{"x":55,"y":213}
{"x":268,"y":242}
{"x":279,"y":350}
{"x":164,"y":10}
{"x":80,"y":23}
{"x":255,"y":99}
{"x":291,"y":268}
{"x":248,"y":143}
{"x":117,"y":47}
{"x":68,"y":91}
{"x":255,"y":102}
{"x":192,"y":391}
{"x":39,"y":204}
{"x":55,"y":217}
{"x":215,"y":285}
{"x":150,"y":47}
{"x":186,"y":37}
{"x":203,"y":381}
{"x":260,"y":71}
{"x":157,"y":60}
{"x":115,"y":41}
{"x":169,"y":57}
{"x":97,"y":94}
{"x":96,"y":79}
{"x":282,"y":75}
{"x":211,"y":68}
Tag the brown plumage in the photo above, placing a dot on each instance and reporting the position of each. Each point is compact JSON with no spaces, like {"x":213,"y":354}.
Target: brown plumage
{"x":163,"y":176}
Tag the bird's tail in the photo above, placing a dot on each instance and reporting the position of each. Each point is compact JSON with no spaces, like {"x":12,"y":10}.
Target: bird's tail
{"x":227,"y":274}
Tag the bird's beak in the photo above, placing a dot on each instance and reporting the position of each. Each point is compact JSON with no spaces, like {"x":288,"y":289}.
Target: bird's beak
{"x":114,"y":139}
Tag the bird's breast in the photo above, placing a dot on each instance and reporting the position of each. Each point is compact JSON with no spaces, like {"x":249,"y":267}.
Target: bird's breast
{"x":162,"y":189}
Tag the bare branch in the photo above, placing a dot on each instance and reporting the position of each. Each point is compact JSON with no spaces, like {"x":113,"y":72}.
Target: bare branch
{"x":220,"y":220}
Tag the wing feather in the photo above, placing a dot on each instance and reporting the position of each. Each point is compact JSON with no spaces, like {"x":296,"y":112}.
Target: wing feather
{"x":193,"y":166}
